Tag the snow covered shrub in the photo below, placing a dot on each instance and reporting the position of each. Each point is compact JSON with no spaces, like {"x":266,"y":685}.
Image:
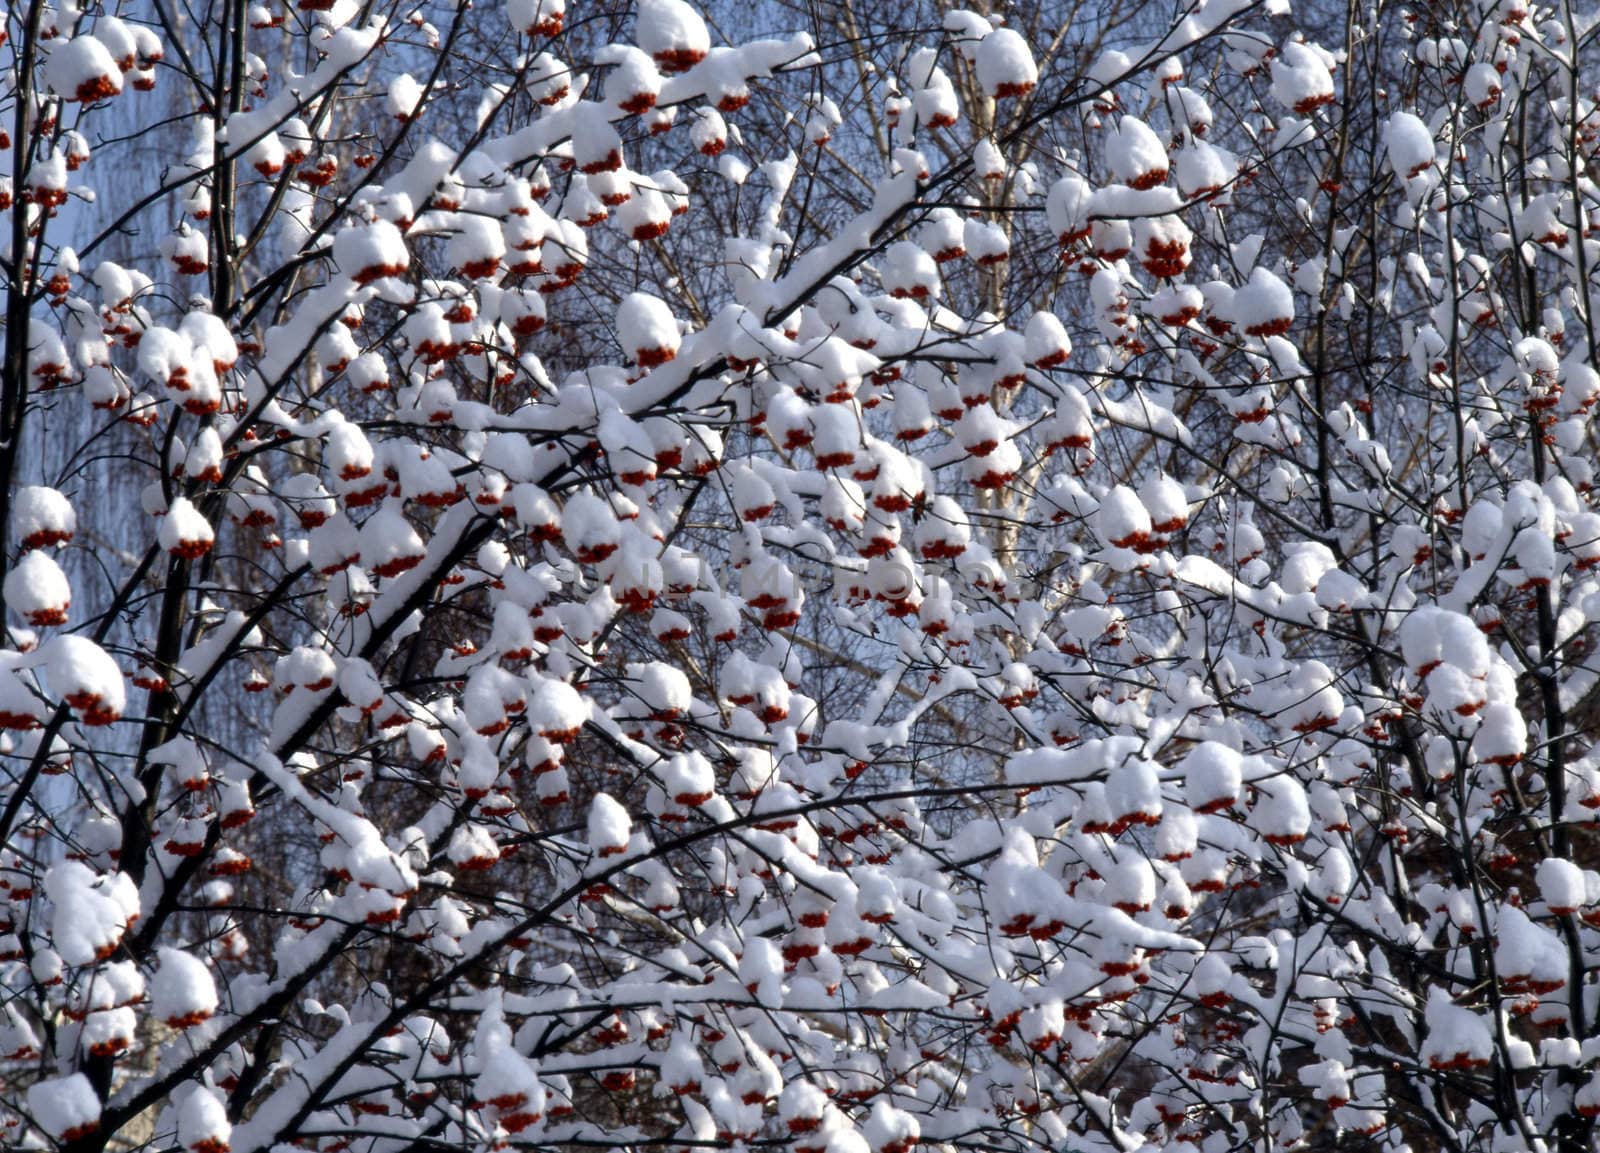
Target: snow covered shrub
{"x":982,"y":582}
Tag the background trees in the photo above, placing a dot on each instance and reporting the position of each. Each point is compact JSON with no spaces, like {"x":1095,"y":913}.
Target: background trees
{"x":831,"y":577}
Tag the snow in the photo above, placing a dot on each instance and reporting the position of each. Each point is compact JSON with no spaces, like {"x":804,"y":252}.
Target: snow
{"x":536,"y":17}
{"x":672,"y":33}
{"x":186,"y":763}
{"x":1026,"y":899}
{"x":609,"y":826}
{"x":371,"y":251}
{"x":1483,"y":85}
{"x":986,"y":242}
{"x":837,"y":440}
{"x":184,"y":530}
{"x":204,"y":460}
{"x":1130,"y":886}
{"x":83,"y":69}
{"x":688,"y":778}
{"x":389,"y":544}
{"x":119,"y":39}
{"x":556,"y":711}
{"x":90,"y":913}
{"x":86,"y":677}
{"x":1203,"y":169}
{"x":404,"y":96}
{"x":664,"y":689}
{"x":1211,"y":977}
{"x":1563,"y":885}
{"x":634,"y":83}
{"x":1264,"y":306}
{"x":1410,"y":145}
{"x":988,"y":161}
{"x":66,"y":1108}
{"x":38,"y":591}
{"x":1005,"y":66}
{"x":1162,"y":244}
{"x":1301,"y":81}
{"x":509,"y":1084}
{"x":1135,"y":154}
{"x":1122,"y":521}
{"x":1281,"y":813}
{"x":648,"y":329}
{"x":1213,"y":777}
{"x":709,"y":132}
{"x":267,"y":155}
{"x":1457,"y":1036}
{"x":208,"y":336}
{"x":203,"y":1125}
{"x":1048,"y":345}
{"x":936,"y":102}
{"x":589,"y":527}
{"x":1431,"y":636}
{"x":1528,"y":956}
{"x":909,"y":271}
{"x":107,"y":1031}
{"x":188,"y":250}
{"x":1189,"y":107}
{"x":1166,"y":503}
{"x":477,"y":247}
{"x":42,"y":517}
{"x":472,"y":847}
{"x":981,"y":430}
{"x":1502,"y":734}
{"x":646,"y":215}
{"x":753,"y":497}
